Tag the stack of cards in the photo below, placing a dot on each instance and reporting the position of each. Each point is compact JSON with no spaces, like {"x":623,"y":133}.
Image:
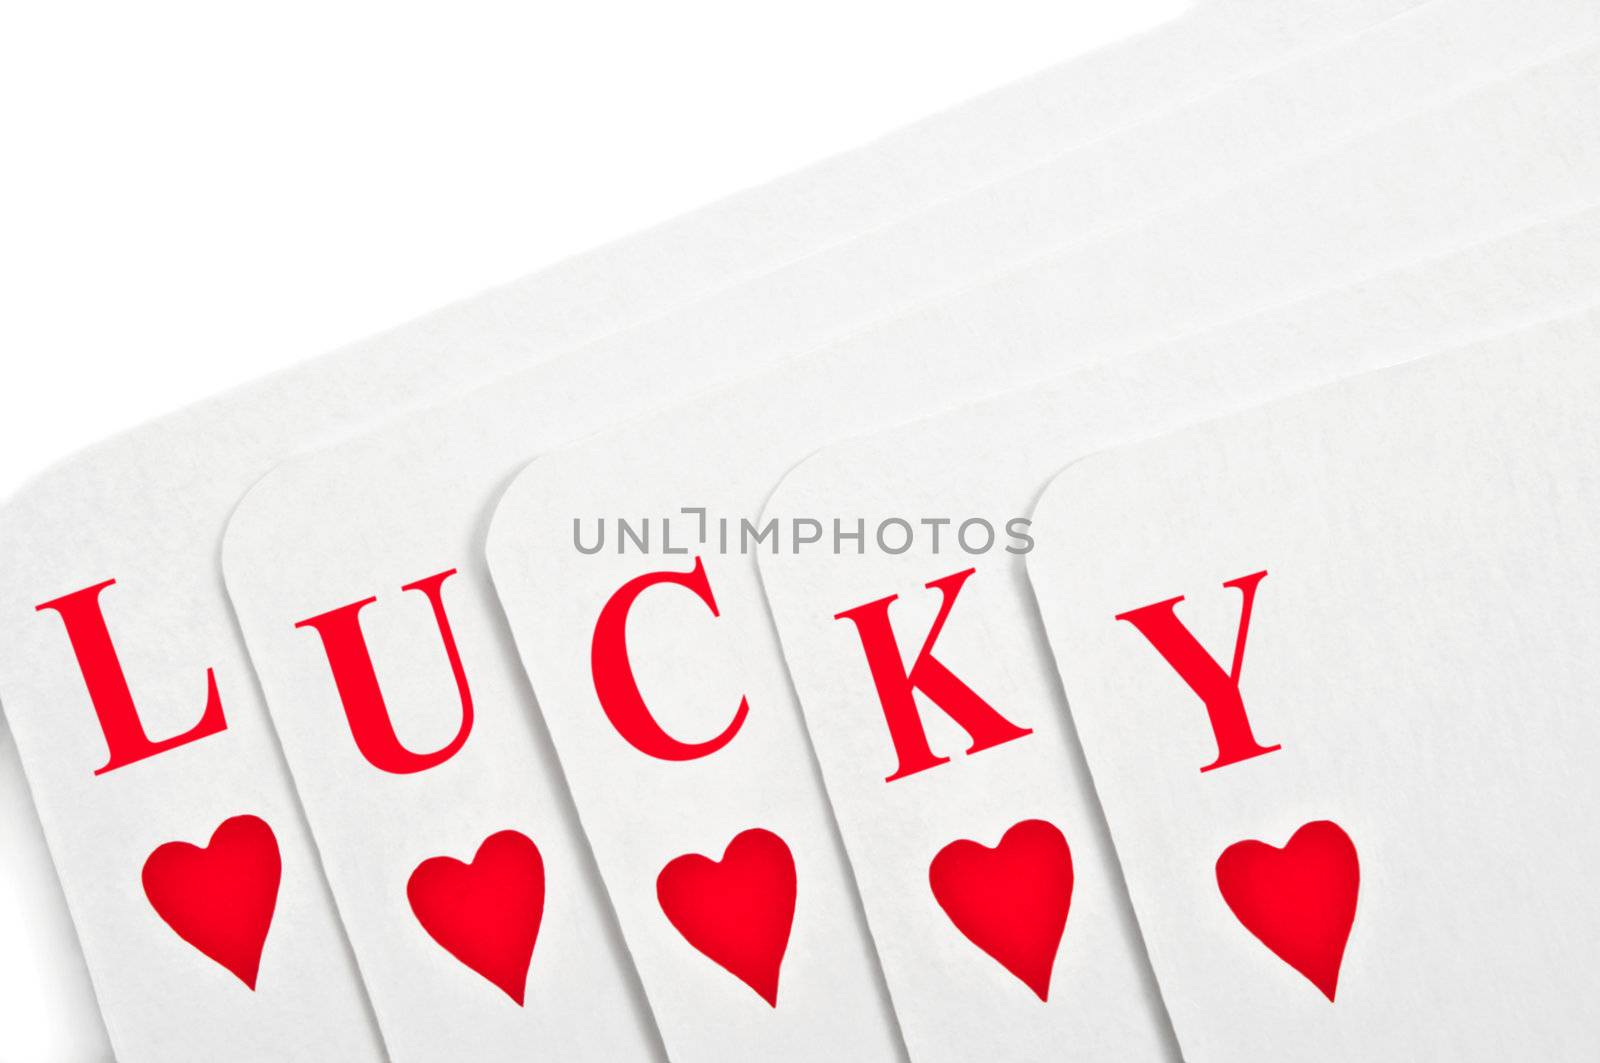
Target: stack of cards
{"x":1101,"y":574}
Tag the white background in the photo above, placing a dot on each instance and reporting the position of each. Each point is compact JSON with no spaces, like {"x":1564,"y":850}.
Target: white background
{"x":192,"y":194}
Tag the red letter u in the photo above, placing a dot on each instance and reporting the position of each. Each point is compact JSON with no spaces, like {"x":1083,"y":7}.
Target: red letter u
{"x":357,"y":682}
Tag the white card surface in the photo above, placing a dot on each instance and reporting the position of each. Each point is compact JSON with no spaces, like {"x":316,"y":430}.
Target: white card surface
{"x":376,"y":514}
{"x":1417,"y":664}
{"x":51,"y":1008}
{"x":986,"y":464}
{"x":1267,"y":241}
{"x":146,"y":510}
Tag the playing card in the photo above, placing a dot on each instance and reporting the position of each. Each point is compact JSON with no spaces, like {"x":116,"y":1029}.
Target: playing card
{"x":378,"y":514}
{"x":626,"y":564}
{"x":955,"y":813}
{"x":116,"y":626}
{"x":1328,"y":662}
{"x":373,"y":517}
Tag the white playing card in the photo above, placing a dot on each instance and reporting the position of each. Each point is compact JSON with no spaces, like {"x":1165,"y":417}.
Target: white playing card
{"x":716,"y":747}
{"x":945,"y":960}
{"x":374,"y":515}
{"x":146,"y":510}
{"x":1390,"y":856}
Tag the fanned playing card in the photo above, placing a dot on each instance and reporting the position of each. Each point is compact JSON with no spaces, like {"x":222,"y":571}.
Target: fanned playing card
{"x":413,"y":738}
{"x":1330,"y":663}
{"x":627,"y":563}
{"x":929,"y":694}
{"x":127,"y":688}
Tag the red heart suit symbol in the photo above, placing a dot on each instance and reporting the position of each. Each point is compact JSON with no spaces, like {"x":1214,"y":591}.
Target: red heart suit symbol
{"x":1010,"y":901}
{"x":487,"y":913}
{"x":219,"y":898}
{"x":1299,"y":900}
{"x":739,"y":910}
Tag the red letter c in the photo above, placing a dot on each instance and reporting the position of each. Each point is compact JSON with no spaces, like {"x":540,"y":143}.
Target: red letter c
{"x":613,"y":673}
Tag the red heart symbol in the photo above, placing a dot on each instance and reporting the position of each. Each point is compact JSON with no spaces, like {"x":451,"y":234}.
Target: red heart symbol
{"x":1010,"y":901}
{"x":737,"y":911}
{"x":487,"y":913}
{"x":1299,"y":900}
{"x":219,"y":898}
